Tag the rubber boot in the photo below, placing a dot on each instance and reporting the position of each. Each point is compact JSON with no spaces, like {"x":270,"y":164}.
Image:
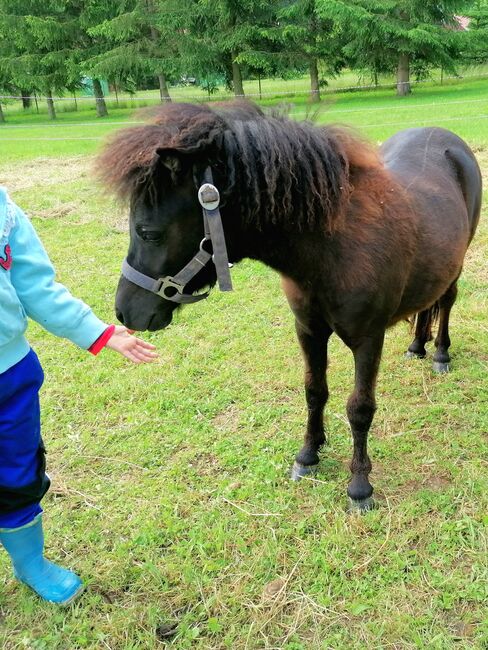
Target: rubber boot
{"x":25,"y":546}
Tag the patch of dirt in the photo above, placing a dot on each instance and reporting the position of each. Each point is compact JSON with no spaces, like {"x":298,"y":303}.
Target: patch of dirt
{"x":273,"y":589}
{"x":463,"y":630}
{"x":228,"y":419}
{"x":206,"y":464}
{"x":434,"y":482}
{"x":58,"y":212}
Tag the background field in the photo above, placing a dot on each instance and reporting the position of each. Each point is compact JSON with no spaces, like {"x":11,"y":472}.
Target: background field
{"x":170,"y":493}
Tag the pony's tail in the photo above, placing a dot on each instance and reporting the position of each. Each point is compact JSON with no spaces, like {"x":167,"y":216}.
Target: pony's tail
{"x":425,"y":332}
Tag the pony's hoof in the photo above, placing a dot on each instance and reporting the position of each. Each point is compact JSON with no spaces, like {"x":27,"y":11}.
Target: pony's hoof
{"x":414,"y":355}
{"x":299,"y":471}
{"x":360,"y":506}
{"x":440,"y":367}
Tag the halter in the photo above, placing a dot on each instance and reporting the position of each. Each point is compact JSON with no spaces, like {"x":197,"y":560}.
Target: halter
{"x":171,"y":287}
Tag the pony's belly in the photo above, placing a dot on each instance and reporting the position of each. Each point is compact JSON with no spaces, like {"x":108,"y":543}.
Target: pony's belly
{"x":424,"y":295}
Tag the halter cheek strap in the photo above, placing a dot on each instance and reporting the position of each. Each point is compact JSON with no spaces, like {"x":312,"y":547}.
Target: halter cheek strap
{"x":171,"y":287}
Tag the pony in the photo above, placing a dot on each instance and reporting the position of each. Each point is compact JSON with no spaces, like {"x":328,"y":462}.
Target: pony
{"x":362,"y":237}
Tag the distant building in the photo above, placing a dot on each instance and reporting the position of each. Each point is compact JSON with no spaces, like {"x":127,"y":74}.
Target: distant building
{"x":462,"y":23}
{"x":87,"y":87}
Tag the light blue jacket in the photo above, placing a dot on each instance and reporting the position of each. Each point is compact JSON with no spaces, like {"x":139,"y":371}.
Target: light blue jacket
{"x":28,"y":289}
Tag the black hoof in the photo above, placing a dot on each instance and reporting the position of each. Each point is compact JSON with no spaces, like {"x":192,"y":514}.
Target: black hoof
{"x":361,"y":506}
{"x":299,"y":471}
{"x":440,"y":367}
{"x":414,"y":355}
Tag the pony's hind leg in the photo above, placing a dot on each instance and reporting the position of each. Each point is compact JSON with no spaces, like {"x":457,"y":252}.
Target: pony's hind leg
{"x":423,"y":334}
{"x":442,"y":342}
{"x":313,"y":338}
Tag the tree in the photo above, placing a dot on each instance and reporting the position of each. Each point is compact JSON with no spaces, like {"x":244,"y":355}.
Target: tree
{"x":310,"y":38}
{"x":138,"y":40}
{"x":397,"y":34}
{"x":42,"y":34}
{"x":235,"y":34}
{"x":476,"y":50}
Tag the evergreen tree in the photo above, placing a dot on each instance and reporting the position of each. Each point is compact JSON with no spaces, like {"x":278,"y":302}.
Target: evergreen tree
{"x":236,"y":33}
{"x":137,"y":41}
{"x":41,"y":37}
{"x":310,"y":38}
{"x":476,"y":50}
{"x":397,"y":34}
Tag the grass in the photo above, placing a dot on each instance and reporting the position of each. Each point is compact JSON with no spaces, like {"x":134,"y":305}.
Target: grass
{"x":461,"y":107}
{"x":169,"y":491}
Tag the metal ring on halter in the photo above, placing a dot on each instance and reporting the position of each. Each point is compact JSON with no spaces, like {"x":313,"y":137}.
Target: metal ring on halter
{"x":204,"y":240}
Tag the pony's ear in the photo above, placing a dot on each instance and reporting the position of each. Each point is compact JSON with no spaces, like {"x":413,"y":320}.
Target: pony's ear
{"x":173,"y":161}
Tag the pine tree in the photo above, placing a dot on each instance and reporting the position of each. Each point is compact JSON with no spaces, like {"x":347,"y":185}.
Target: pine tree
{"x":310,"y":38}
{"x":397,"y":34}
{"x":137,"y":41}
{"x":235,"y":33}
{"x":41,"y":41}
{"x":476,"y":50}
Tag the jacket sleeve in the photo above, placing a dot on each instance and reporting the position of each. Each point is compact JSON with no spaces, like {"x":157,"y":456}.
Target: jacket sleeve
{"x":44,"y":300}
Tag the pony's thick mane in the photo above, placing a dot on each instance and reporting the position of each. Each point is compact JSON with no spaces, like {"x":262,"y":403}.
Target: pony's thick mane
{"x":277,"y":169}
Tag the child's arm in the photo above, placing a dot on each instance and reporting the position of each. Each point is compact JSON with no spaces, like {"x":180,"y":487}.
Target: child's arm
{"x":50,"y":304}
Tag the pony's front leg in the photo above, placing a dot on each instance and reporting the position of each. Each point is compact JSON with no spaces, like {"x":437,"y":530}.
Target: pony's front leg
{"x":360,"y":411}
{"x":313,"y":338}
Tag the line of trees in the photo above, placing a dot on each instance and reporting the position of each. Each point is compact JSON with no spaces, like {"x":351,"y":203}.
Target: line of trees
{"x":49,"y":46}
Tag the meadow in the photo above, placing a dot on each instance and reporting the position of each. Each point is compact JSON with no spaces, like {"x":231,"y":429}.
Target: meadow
{"x":170,"y":491}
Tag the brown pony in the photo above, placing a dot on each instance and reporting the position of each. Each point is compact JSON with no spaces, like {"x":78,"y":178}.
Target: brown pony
{"x":362,"y":239}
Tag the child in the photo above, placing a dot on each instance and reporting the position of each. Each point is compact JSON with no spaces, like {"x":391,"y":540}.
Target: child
{"x":28,"y":288}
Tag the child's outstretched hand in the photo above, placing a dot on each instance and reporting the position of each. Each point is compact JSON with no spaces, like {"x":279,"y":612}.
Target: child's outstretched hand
{"x":129,"y":346}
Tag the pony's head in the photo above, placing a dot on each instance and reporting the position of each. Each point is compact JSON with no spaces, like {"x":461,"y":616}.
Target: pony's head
{"x":158,"y":168}
{"x":271,"y":172}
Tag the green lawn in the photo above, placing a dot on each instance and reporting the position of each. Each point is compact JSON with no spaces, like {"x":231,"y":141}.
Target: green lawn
{"x":461,"y":107}
{"x":169,"y":491}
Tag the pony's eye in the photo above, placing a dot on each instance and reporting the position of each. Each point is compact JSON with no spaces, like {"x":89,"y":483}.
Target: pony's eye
{"x":150,"y":235}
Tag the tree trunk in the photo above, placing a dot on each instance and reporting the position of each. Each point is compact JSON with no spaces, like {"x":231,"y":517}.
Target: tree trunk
{"x":163,"y":89}
{"x":50,"y":105}
{"x":99,"y":98}
{"x":237,"y":77}
{"x":314,"y":81}
{"x":163,"y":85}
{"x":26,"y":98}
{"x":2,"y":116}
{"x":403,"y":76}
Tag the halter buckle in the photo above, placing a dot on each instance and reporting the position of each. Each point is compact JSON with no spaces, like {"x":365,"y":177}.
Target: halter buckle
{"x":208,"y":196}
{"x":168,"y":283}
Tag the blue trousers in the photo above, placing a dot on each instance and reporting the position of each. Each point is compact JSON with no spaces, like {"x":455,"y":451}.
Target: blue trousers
{"x":23,"y":481}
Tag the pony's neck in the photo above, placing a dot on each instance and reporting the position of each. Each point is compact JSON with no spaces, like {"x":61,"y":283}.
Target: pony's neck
{"x":283,"y":249}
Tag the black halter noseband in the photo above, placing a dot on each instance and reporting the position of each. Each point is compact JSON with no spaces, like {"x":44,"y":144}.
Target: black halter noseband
{"x":171,"y":287}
